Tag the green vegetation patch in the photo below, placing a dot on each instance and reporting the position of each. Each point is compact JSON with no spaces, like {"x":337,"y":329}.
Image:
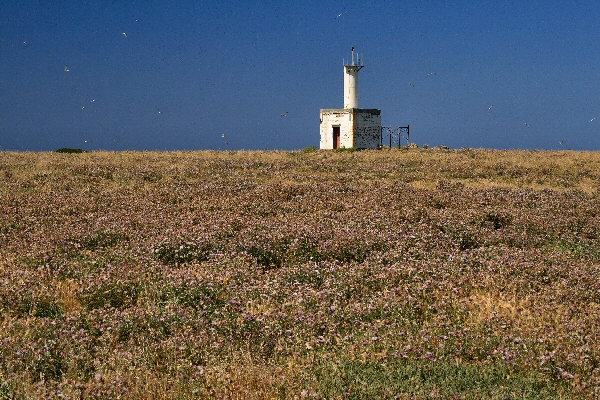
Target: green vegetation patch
{"x":70,"y":150}
{"x":431,"y":379}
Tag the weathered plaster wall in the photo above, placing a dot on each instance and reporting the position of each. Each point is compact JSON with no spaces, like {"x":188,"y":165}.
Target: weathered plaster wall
{"x":336,"y":117}
{"x":367,"y":129}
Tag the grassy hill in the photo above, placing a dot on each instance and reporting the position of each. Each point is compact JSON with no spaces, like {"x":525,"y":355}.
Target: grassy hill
{"x":413,"y":273}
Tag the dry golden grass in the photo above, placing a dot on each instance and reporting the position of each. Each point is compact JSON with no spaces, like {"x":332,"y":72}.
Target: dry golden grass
{"x":477,"y":168}
{"x":65,"y":291}
{"x":522,"y":312}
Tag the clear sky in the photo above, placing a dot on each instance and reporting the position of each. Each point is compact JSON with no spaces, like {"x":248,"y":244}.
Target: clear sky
{"x":178,"y":75}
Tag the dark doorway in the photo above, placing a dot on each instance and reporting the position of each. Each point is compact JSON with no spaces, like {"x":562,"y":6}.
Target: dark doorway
{"x":336,"y":137}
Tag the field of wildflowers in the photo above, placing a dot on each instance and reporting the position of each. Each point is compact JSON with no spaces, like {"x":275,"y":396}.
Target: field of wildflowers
{"x":414,"y":273}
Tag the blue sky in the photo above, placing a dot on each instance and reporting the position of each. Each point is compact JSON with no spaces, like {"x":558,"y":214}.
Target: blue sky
{"x":508,"y":75}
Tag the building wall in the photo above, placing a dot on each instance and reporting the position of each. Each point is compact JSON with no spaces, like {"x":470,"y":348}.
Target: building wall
{"x":359,"y":128}
{"x":367,"y":129}
{"x":336,"y":117}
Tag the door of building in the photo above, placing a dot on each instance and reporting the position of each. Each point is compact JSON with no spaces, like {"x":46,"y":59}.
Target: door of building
{"x":336,"y":137}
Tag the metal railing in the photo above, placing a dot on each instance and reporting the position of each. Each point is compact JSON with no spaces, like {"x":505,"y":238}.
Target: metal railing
{"x":395,"y":135}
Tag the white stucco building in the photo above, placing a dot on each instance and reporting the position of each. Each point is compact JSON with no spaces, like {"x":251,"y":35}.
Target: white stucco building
{"x":351,"y":127}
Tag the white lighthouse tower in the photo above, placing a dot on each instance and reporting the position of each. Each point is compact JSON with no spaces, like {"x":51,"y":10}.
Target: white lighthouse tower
{"x":351,"y":82}
{"x":351,"y":127}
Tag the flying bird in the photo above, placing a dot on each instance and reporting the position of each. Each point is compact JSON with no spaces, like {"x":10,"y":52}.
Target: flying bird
{"x":412,"y":84}
{"x":431,"y":73}
{"x":492,"y":106}
{"x":223,"y":135}
{"x":526,"y":124}
{"x":66,"y":68}
{"x":561,"y":142}
{"x":284,"y":114}
{"x":160,"y":111}
{"x":340,"y":14}
{"x":592,"y":119}
{"x":125,"y":34}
